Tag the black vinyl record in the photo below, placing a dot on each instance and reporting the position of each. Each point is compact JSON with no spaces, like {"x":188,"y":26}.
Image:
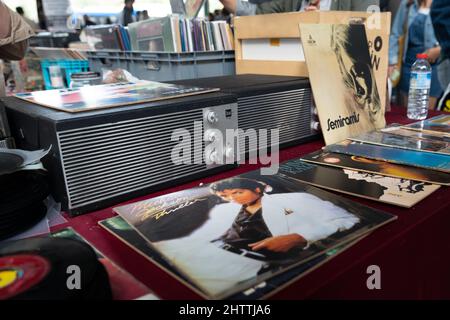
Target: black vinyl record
{"x":21,"y":189}
{"x":21,"y":220}
{"x":55,"y":260}
{"x":9,"y":162}
{"x":21,"y":201}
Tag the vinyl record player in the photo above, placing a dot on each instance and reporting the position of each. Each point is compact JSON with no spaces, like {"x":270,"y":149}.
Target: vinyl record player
{"x":99,"y":158}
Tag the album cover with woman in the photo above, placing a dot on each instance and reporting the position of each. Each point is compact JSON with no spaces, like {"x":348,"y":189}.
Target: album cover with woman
{"x":230,"y":235}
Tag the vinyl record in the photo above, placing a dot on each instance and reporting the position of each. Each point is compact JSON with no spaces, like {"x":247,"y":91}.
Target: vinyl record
{"x":21,"y":220}
{"x":9,"y":162}
{"x":74,"y":271}
{"x":21,"y":201}
{"x":19,"y":273}
{"x":21,"y":189}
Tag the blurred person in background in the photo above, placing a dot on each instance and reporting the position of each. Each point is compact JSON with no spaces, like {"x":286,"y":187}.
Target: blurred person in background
{"x":30,"y":22}
{"x":217,"y":15}
{"x":41,"y":15}
{"x":127,"y":15}
{"x":226,"y":15}
{"x":145,"y":15}
{"x":88,"y":21}
{"x":414,"y":22}
{"x":14,"y":34}
{"x":243,"y":8}
{"x":440,"y":15}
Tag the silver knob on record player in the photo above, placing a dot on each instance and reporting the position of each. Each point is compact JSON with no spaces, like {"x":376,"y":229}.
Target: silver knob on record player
{"x":210,"y":135}
{"x":212,"y":117}
{"x":315,"y":125}
{"x":213,"y":157}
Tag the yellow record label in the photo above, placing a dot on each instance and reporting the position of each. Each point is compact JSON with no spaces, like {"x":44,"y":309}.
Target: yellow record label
{"x":7,"y":277}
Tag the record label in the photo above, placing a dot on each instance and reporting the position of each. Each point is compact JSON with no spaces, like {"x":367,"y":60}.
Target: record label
{"x":19,"y":273}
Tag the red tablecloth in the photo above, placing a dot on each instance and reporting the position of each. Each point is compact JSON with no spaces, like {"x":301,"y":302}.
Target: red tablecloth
{"x":413,"y":252}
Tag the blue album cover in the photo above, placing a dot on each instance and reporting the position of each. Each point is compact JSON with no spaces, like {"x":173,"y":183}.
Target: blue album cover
{"x":413,"y":158}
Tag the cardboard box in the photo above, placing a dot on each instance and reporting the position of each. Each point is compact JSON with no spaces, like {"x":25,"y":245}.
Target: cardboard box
{"x":271,"y":44}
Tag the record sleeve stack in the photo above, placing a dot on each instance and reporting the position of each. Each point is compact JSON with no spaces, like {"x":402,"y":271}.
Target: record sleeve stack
{"x":194,"y":233}
{"x":108,"y":37}
{"x":175,"y":33}
{"x":22,"y":201}
{"x":400,"y":165}
{"x":22,"y":194}
{"x":58,"y":53}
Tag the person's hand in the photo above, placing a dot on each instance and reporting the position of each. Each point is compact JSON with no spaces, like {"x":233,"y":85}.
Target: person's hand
{"x":280,"y":243}
{"x":394,"y":73}
{"x":230,"y":5}
{"x":313,"y":6}
{"x":433,"y":54}
{"x":391,"y":69}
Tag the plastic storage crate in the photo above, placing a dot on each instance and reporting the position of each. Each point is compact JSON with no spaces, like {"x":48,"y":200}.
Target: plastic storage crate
{"x":67,"y":68}
{"x":165,"y":66}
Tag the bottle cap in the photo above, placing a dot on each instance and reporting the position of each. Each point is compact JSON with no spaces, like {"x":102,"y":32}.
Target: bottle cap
{"x":422,"y":56}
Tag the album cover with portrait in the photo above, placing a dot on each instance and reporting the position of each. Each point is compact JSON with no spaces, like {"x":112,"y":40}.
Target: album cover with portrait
{"x":380,"y":167}
{"x":228,"y":236}
{"x":395,"y":191}
{"x":427,"y":160}
{"x":402,"y":142}
{"x":119,"y":228}
{"x":342,"y":80}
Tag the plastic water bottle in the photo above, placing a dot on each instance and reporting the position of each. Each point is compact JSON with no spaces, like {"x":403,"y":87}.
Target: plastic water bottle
{"x":419,"y":88}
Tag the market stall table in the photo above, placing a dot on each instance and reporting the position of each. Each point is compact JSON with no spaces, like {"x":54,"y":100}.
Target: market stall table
{"x":413,"y":252}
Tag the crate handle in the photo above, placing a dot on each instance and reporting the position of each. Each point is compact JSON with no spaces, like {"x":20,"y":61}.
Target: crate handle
{"x":153,"y":65}
{"x":101,"y":54}
{"x":106,"y":62}
{"x":149,"y":56}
